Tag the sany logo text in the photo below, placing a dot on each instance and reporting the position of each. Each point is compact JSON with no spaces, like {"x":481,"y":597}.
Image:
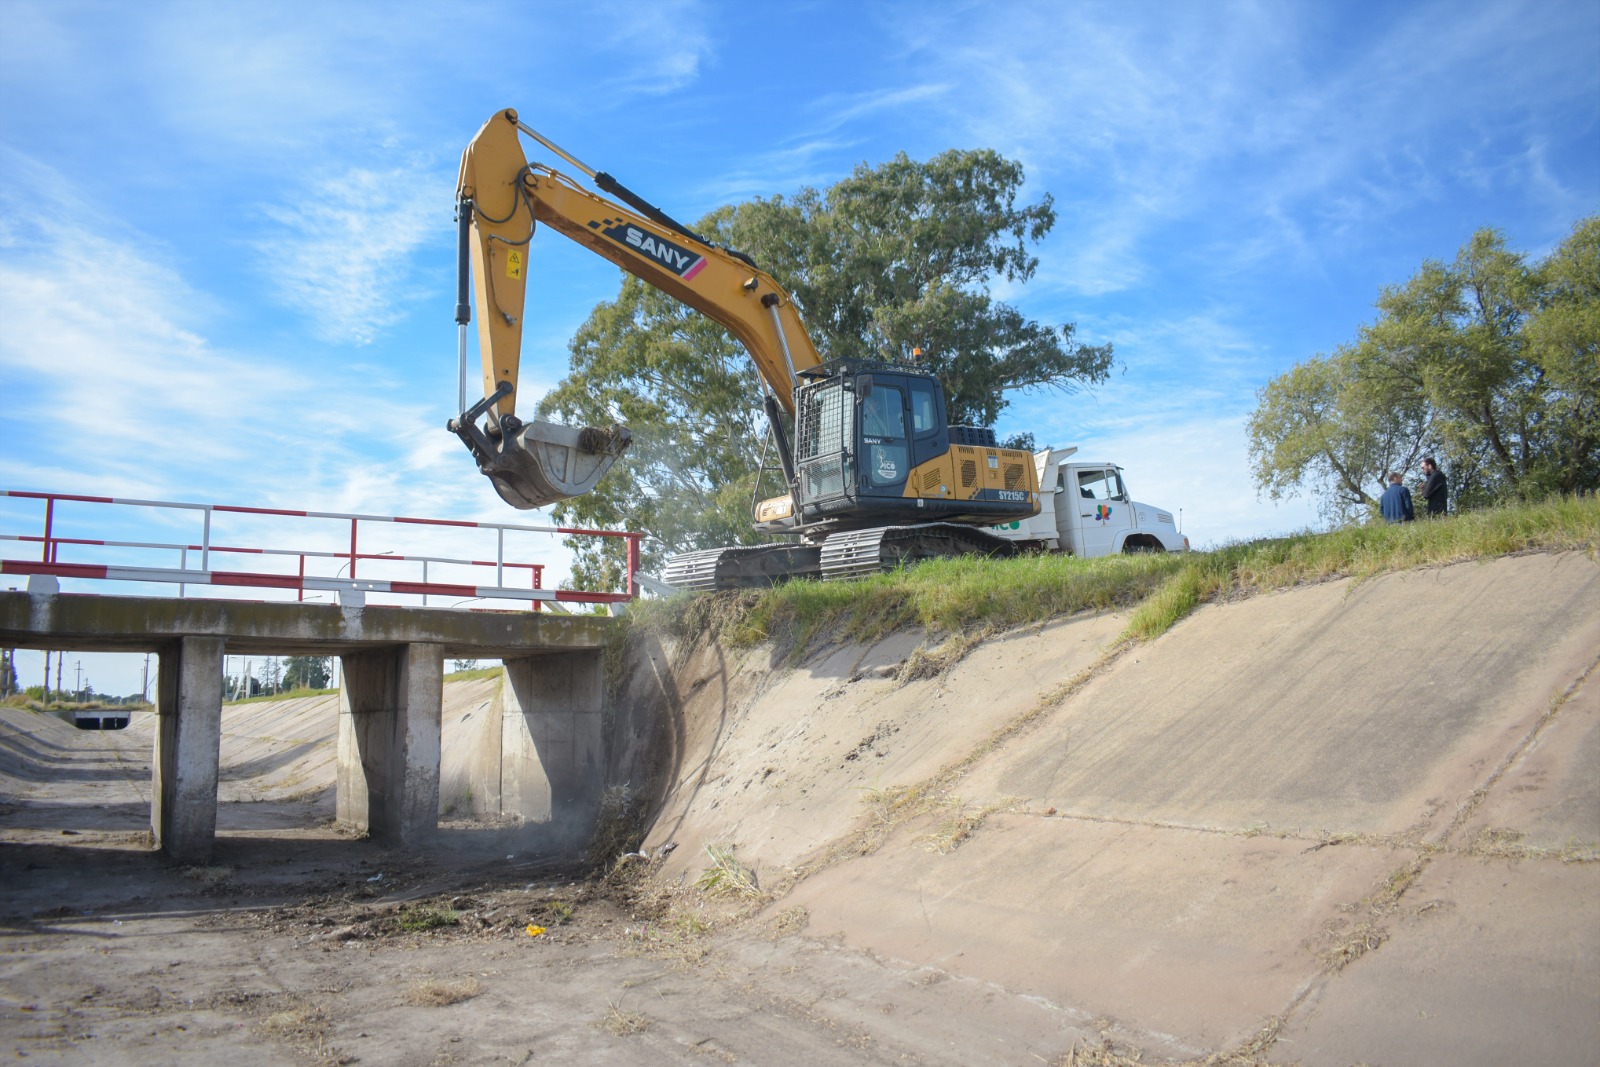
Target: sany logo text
{"x":679,"y":260}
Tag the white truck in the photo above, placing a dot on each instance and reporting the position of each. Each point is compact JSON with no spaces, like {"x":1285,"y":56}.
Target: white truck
{"x":1087,"y":512}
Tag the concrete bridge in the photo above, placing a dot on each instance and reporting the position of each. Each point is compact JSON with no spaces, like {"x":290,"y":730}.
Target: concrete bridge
{"x":389,"y":701}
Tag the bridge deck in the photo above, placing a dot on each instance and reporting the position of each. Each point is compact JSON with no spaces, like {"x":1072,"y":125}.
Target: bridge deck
{"x":92,"y":623}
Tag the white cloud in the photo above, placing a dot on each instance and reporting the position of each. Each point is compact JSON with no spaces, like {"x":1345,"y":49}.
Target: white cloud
{"x":653,"y":48}
{"x":1245,"y":123}
{"x":341,"y":250}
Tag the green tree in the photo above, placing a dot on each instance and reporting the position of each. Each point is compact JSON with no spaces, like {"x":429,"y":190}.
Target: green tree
{"x":1327,"y":427}
{"x":1490,"y":363}
{"x":1563,"y":338}
{"x":889,"y":260}
{"x":305,"y":672}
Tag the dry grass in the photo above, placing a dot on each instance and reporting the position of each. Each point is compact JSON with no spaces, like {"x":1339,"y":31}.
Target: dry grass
{"x":304,"y":1028}
{"x":208,"y":875}
{"x":678,"y":932}
{"x":932,"y":662}
{"x":1107,"y":1054}
{"x":960,"y":823}
{"x":727,"y":877}
{"x":622,"y":1022}
{"x":1346,"y":944}
{"x":788,"y":921}
{"x":1493,"y":842}
{"x":442,"y":992}
{"x":422,"y":919}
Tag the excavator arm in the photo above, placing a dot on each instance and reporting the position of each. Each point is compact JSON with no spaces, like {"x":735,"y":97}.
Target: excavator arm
{"x":500,"y":199}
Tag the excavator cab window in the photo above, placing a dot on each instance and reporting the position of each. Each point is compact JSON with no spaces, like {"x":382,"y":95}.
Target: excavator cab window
{"x":883,"y":433}
{"x":924,"y":408}
{"x":883,"y":414}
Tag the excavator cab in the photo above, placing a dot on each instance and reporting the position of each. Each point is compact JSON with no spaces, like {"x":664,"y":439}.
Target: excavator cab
{"x":873,"y":444}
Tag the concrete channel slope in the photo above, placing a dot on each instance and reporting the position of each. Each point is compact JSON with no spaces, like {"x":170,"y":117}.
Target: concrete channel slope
{"x":1356,"y":822}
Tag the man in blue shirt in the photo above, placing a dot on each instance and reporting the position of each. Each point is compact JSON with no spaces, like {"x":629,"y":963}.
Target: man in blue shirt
{"x":1396,"y":502}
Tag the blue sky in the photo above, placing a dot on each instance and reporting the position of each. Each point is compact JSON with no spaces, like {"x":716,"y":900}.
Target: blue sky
{"x":226,"y":249}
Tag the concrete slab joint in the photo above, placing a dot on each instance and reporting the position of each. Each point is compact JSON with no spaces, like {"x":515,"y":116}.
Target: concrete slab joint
{"x":188,"y":745}
{"x":388,"y":758}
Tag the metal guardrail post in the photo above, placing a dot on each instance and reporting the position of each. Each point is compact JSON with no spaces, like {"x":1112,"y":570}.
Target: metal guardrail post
{"x":633,"y":564}
{"x":205,"y":542}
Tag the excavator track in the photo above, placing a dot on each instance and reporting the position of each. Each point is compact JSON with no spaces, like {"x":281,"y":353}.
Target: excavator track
{"x":840,"y":557}
{"x":741,"y":567}
{"x":883,"y":548}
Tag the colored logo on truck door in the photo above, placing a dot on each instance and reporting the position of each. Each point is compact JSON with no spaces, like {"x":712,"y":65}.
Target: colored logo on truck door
{"x":1102,"y":513}
{"x":679,"y":260}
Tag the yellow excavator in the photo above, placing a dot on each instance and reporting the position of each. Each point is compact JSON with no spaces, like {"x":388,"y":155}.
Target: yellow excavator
{"x":876,"y":475}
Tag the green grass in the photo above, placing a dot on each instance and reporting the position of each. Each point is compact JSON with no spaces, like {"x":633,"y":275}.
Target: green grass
{"x":475,"y":674}
{"x":971,"y":595}
{"x":422,"y":919}
{"x":290,"y":694}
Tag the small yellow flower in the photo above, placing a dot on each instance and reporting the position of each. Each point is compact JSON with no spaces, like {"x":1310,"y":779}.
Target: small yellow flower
{"x":534,"y":931}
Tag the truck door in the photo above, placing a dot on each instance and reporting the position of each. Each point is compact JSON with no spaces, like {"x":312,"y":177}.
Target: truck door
{"x":1102,"y":509}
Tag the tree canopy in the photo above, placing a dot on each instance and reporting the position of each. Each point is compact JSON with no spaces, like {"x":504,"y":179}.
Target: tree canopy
{"x":305,"y":672}
{"x":1490,"y":363}
{"x":891,"y":259}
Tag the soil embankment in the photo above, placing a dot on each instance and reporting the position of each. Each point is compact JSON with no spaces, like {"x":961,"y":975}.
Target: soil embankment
{"x":1354,"y":822}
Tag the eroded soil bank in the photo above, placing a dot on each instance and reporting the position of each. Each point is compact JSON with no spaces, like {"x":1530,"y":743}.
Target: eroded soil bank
{"x":1350,"y":823}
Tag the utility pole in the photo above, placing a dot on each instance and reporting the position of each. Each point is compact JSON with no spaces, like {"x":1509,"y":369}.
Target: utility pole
{"x":47,"y":676}
{"x":144,"y":692}
{"x":77,"y":691}
{"x":59,"y":657}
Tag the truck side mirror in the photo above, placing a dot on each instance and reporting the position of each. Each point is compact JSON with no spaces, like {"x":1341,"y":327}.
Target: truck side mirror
{"x":864,"y":385}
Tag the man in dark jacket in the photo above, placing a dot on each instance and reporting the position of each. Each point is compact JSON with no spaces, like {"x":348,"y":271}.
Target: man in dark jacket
{"x":1434,"y":489}
{"x":1396,"y":502}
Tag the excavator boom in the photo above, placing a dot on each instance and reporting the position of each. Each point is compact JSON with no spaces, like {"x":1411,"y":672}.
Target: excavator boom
{"x":500,"y":199}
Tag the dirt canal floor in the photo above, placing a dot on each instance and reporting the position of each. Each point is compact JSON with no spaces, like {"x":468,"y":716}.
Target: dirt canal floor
{"x":1353,"y":823}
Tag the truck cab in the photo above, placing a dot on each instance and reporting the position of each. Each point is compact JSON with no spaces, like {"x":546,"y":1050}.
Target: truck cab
{"x":1092,"y":513}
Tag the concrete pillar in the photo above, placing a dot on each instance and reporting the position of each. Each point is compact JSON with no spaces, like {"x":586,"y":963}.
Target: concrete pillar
{"x":183,"y":805}
{"x":388,"y":770}
{"x":551,"y":763}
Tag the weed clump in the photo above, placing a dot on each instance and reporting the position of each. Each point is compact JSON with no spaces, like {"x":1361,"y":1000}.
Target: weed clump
{"x":441,"y":992}
{"x":727,"y":876}
{"x":421,"y":920}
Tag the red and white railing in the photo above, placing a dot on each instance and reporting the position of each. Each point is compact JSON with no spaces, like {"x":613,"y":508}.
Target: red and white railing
{"x":351,"y":588}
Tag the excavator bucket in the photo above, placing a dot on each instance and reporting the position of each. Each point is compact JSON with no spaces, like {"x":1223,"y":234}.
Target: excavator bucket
{"x":538,"y":463}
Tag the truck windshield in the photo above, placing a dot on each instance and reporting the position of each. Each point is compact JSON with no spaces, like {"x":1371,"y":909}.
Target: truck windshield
{"x":1101,"y":485}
